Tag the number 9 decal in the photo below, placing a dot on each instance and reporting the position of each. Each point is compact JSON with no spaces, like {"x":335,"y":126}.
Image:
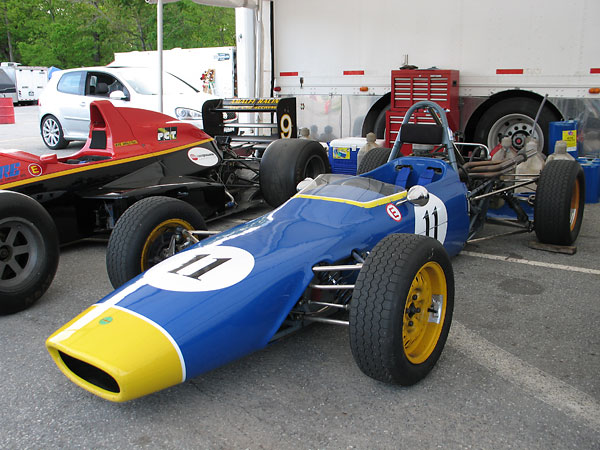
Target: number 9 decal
{"x":285,"y":125}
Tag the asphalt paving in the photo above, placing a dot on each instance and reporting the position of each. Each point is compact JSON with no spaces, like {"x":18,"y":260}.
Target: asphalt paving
{"x":520,"y":369}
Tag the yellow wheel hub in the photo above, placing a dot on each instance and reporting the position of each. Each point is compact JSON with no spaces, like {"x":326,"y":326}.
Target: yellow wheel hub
{"x":424,"y":313}
{"x":168,"y":226}
{"x":574,"y":205}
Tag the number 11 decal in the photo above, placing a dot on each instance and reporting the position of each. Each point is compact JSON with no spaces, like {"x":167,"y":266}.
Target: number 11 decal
{"x":432,"y":219}
{"x":201,"y":269}
{"x":431,"y":227}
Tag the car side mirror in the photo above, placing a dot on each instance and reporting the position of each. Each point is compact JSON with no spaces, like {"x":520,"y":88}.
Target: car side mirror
{"x":418,"y":195}
{"x":303,"y":184}
{"x":118,"y":95}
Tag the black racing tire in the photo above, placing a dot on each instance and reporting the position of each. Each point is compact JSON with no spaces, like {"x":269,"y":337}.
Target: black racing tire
{"x":401,"y":309}
{"x":514,"y":116}
{"x":559,"y":202}
{"x":373,"y":159}
{"x":381,"y":123}
{"x":285,"y":163}
{"x":52,"y":133}
{"x":143,"y":233}
{"x":28,"y":251}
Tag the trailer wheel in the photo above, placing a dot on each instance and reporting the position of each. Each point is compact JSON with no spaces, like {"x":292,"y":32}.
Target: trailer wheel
{"x":373,"y":159}
{"x":28,"y":251}
{"x":285,"y":163}
{"x":514,"y":117}
{"x":52,"y":133}
{"x":143,"y":233}
{"x":559,"y":202}
{"x":401,"y":308}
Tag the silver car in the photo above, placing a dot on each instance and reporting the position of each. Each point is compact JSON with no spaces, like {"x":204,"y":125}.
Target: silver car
{"x":64,"y":105}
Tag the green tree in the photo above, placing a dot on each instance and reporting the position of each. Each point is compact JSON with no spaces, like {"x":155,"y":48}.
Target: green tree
{"x":74,"y":33}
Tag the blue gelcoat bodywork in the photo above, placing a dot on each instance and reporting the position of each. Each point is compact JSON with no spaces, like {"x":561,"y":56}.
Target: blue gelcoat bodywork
{"x":214,"y":327}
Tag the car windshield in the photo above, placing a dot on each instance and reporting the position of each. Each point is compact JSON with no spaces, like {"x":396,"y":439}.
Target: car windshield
{"x":348,"y":187}
{"x":145,"y":81}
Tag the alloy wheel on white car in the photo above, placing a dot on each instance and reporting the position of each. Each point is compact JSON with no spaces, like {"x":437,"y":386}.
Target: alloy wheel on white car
{"x":52,"y":133}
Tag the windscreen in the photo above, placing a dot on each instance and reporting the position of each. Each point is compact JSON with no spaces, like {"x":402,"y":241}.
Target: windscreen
{"x":347,"y":187}
{"x":145,"y":81}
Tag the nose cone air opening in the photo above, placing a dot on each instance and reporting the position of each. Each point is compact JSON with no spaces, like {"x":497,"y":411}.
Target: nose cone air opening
{"x":116,"y":354}
{"x":89,"y":373}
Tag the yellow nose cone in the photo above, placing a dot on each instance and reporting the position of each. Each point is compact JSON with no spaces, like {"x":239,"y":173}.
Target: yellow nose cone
{"x":116,"y":354}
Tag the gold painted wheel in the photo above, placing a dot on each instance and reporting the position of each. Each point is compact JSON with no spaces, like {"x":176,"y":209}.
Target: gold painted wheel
{"x":424,"y":313}
{"x":142,"y":235}
{"x":574,"y":206}
{"x":401,"y":308}
{"x":156,"y":246}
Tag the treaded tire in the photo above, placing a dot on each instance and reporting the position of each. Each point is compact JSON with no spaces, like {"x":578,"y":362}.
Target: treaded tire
{"x":373,"y":159}
{"x":143,"y":232}
{"x":28,"y":251}
{"x":285,"y":163}
{"x":559,"y":202}
{"x":392,"y":336}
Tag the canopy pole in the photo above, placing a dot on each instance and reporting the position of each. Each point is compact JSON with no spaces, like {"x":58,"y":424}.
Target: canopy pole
{"x":258,"y":78}
{"x":159,"y":51}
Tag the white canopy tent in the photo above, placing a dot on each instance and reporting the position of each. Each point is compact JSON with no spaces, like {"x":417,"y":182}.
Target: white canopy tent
{"x":252,"y":4}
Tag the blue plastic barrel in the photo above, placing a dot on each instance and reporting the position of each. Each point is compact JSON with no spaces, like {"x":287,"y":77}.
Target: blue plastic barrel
{"x":591,"y":170}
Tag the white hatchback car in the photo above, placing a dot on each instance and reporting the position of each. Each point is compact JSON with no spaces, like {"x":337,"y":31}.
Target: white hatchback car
{"x":64,"y":105}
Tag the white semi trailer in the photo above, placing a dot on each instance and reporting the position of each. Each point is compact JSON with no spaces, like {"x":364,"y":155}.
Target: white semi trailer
{"x":336,"y":58}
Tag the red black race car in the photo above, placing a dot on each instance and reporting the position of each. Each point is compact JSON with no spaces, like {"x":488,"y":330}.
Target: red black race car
{"x":142,"y":171}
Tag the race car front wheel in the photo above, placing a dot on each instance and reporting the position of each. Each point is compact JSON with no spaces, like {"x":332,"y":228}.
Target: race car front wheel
{"x":559,"y":202}
{"x":28,"y":251}
{"x":285,"y":163}
{"x":52,"y":133}
{"x":401,"y":308}
{"x":143,"y":234}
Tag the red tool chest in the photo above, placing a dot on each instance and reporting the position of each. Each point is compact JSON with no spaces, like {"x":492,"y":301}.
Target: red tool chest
{"x":411,"y":86}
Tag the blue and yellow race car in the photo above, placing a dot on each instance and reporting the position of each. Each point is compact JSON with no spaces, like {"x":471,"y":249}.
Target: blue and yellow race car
{"x":375,"y":247}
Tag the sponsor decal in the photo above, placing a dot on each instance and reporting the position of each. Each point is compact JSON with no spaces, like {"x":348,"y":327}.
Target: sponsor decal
{"x":9,"y":171}
{"x":341,"y":153}
{"x":223,"y":57}
{"x":35,"y":170}
{"x":126,"y":143}
{"x":106,"y":320}
{"x":202,"y":157}
{"x":167,"y":134}
{"x":393,"y":212}
{"x":432,"y":219}
{"x":201,"y":269}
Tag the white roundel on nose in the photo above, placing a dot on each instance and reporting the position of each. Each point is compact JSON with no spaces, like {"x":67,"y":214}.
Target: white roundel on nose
{"x":201,"y":269}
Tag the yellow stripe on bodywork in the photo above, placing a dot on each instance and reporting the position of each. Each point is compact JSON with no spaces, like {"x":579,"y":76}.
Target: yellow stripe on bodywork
{"x":369,"y":204}
{"x":137,"y":353}
{"x":100,"y":165}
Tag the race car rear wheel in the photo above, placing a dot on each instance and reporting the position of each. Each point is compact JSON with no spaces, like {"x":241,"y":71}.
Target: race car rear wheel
{"x":285,"y":163}
{"x":559,"y":202}
{"x":143,"y":234}
{"x":401,"y":308}
{"x":52,"y":133}
{"x":373,"y":159}
{"x":28,"y":251}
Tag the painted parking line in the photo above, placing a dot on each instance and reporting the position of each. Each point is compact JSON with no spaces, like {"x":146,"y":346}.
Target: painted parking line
{"x":532,"y":263}
{"x":543,"y":386}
